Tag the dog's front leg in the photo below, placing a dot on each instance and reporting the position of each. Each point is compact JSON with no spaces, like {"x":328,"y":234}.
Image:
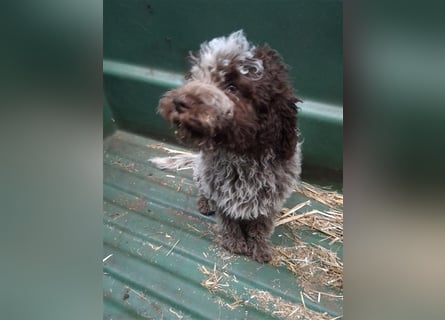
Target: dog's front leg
{"x":230,"y":234}
{"x":258,"y":232}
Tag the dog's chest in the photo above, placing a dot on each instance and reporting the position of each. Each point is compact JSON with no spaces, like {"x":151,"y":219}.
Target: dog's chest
{"x":228,"y":173}
{"x":243,"y":187}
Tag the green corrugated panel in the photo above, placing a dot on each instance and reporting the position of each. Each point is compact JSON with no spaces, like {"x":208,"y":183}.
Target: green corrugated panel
{"x":159,"y":245}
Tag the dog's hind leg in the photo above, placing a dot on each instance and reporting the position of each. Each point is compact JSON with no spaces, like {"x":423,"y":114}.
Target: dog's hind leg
{"x":258,"y":232}
{"x":230,"y":234}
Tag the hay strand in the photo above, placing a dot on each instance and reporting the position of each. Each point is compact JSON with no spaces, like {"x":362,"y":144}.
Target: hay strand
{"x":330,"y":198}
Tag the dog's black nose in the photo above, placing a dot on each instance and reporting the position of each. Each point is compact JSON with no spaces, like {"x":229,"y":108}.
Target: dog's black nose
{"x":180,"y":103}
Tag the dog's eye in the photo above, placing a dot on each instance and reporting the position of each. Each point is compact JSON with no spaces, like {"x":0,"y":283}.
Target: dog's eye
{"x":231,"y":88}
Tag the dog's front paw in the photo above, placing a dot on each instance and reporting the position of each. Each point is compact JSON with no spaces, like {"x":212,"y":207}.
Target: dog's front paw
{"x":237,"y":246}
{"x":204,"y":206}
{"x":259,"y":250}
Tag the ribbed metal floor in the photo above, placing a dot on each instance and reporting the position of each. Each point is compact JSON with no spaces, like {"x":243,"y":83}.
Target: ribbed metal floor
{"x":158,"y":249}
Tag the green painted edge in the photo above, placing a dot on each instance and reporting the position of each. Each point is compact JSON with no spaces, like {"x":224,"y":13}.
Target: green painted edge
{"x":331,"y":113}
{"x":145,"y":74}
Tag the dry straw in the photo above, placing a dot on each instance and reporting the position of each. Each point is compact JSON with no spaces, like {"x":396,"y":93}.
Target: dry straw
{"x":282,"y":309}
{"x":330,"y":198}
{"x":316,"y":267}
{"x":218,"y":281}
{"x":328,"y":222}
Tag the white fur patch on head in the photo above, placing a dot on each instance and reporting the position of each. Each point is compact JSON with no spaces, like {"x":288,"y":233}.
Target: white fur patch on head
{"x":221,"y":52}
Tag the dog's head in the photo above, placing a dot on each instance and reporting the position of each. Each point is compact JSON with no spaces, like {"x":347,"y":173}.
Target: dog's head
{"x":236,"y":97}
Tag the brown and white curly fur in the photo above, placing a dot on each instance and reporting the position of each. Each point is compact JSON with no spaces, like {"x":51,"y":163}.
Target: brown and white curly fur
{"x":237,"y":108}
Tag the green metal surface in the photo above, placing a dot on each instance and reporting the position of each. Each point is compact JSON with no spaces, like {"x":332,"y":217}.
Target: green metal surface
{"x":158,"y":241}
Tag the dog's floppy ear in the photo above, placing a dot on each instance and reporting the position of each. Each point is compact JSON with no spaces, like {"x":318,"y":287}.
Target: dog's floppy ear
{"x":287,"y":132}
{"x":279,"y":126}
{"x":281,"y":123}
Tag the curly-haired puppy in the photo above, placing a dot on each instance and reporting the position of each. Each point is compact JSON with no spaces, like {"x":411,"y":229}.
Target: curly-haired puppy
{"x":237,"y":108}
